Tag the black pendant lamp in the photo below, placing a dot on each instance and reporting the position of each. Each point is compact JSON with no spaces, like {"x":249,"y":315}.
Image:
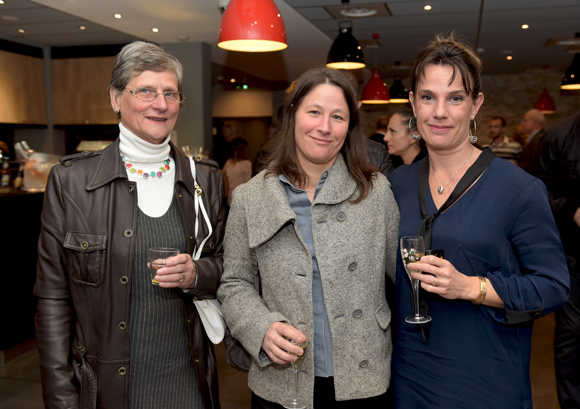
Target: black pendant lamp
{"x":571,"y":78}
{"x":399,"y":94}
{"x":345,"y":53}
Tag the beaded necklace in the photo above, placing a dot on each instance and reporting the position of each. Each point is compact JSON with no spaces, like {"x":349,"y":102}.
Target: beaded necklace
{"x":131,"y":169}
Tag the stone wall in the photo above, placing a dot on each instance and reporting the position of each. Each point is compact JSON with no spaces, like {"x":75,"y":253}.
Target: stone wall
{"x":506,"y":95}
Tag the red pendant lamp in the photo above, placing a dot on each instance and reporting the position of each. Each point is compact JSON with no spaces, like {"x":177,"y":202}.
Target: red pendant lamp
{"x":376,"y":90}
{"x":545,"y":103}
{"x":252,"y":26}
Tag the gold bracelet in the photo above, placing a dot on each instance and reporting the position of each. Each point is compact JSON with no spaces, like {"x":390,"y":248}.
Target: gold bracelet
{"x":482,"y":291}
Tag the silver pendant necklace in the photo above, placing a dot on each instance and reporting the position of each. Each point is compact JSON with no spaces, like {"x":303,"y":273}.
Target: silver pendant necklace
{"x":441,"y":187}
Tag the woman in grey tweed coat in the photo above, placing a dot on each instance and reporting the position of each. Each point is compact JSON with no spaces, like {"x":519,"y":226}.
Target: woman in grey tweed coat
{"x":324,"y":226}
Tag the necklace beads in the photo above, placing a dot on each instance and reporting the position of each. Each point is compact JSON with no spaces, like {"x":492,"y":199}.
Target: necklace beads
{"x":146,"y":175}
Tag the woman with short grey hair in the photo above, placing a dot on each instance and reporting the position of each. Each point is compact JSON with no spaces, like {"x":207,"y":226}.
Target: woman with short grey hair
{"x":110,"y":335}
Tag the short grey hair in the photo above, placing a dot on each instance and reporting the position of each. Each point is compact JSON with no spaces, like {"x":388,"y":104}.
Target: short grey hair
{"x":537,"y":116}
{"x":140,"y":56}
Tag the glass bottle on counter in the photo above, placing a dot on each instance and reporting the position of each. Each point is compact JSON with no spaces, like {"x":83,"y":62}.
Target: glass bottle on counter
{"x":19,"y":176}
{"x":5,"y":180}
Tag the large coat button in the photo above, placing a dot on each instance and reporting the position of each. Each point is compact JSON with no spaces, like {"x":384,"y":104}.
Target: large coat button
{"x":131,"y":189}
{"x":364,"y":364}
{"x":122,"y":371}
{"x":357,"y":313}
{"x":352,"y":266}
{"x":341,"y":216}
{"x":122,"y":326}
{"x":84,"y":244}
{"x":128,"y":233}
{"x":124,"y":280}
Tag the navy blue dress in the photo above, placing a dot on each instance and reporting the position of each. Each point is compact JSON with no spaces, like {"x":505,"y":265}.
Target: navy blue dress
{"x":477,"y":356}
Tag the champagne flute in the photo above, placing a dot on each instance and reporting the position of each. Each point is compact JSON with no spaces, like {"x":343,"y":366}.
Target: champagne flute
{"x":295,"y":403}
{"x":412,"y":249}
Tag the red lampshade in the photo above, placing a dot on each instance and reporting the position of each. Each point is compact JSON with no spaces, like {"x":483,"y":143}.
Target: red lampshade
{"x":545,"y":103}
{"x":252,"y":25}
{"x":376,"y":91}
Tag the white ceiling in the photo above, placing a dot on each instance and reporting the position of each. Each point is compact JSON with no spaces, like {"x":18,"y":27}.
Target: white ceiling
{"x":311,"y":30}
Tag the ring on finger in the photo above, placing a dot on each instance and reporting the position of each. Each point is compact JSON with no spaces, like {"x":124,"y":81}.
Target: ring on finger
{"x":183,"y":278}
{"x":435,"y":282}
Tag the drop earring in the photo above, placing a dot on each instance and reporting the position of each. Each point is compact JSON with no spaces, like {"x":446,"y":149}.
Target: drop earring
{"x":472,"y":137}
{"x":414,"y":135}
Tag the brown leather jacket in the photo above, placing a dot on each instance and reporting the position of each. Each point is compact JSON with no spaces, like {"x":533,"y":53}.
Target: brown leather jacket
{"x":83,"y":283}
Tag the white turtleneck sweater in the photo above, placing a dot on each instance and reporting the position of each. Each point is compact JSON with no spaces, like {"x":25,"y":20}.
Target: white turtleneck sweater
{"x":154,"y":194}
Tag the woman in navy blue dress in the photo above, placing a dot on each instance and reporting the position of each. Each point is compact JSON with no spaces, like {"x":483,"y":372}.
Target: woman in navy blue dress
{"x":504,"y":265}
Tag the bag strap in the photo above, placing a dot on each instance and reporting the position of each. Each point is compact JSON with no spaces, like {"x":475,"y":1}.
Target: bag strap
{"x":426,"y":227}
{"x":198,"y":204}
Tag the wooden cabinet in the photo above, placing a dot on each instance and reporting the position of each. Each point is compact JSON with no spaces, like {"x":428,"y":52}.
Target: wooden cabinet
{"x":22,"y":89}
{"x":79,"y":91}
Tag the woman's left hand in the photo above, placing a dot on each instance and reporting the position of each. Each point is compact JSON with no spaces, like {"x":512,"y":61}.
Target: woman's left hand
{"x":179,"y":272}
{"x":443,"y":278}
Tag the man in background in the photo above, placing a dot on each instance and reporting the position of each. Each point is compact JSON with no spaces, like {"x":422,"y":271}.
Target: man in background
{"x":558,"y":166}
{"x":532,"y":123}
{"x":500,"y":144}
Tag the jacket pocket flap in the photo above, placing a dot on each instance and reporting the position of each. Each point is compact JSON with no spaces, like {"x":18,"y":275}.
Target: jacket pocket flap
{"x":85,"y":242}
{"x":383,"y":316}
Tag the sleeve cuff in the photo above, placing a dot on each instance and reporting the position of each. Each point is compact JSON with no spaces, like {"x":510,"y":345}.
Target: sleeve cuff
{"x":521,"y":317}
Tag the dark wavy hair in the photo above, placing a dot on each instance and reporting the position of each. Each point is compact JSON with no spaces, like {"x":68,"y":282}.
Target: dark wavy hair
{"x":283,"y":158}
{"x":450,"y":51}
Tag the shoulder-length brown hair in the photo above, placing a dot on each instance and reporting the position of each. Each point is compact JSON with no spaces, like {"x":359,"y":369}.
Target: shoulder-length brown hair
{"x":283,"y":158}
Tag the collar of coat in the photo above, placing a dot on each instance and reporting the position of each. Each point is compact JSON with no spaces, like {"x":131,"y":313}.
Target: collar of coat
{"x":268,"y":209}
{"x":110,"y":167}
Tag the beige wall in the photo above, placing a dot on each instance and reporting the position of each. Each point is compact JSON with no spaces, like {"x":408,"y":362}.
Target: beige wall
{"x":79,"y":91}
{"x":241,"y":103}
{"x":22,"y":89}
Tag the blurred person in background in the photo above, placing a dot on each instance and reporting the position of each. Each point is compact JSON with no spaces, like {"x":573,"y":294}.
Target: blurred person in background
{"x":500,"y":143}
{"x":559,"y":167}
{"x":400,"y":141}
{"x":533,"y":124}
{"x":238,"y":168}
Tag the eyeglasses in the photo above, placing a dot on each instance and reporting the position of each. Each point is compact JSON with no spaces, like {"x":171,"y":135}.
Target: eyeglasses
{"x":149,"y":95}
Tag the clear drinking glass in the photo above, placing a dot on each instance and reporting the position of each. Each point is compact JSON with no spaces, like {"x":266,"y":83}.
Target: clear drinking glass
{"x":157,"y":258}
{"x":412,"y":249}
{"x":295,"y":403}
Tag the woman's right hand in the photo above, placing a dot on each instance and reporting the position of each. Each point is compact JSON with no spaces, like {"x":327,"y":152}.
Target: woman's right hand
{"x":277,"y":346}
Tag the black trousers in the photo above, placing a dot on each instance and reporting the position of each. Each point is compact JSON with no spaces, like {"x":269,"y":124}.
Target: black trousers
{"x":567,"y":347}
{"x":324,"y":399}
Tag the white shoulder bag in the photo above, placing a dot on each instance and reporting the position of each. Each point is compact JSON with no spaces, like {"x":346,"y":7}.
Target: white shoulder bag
{"x":210,"y":311}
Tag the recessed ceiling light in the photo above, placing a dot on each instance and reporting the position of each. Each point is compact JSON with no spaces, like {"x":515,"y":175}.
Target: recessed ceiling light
{"x":155,"y":29}
{"x":359,"y":12}
{"x":233,"y":80}
{"x":525,"y":26}
{"x":427,"y":7}
{"x":82,"y":27}
{"x":10,"y":18}
{"x":117,"y":15}
{"x":21,"y":30}
{"x":1,"y":1}
{"x":509,"y":58}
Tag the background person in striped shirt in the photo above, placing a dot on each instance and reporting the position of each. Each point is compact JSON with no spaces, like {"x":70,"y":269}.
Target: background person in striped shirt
{"x":500,"y":143}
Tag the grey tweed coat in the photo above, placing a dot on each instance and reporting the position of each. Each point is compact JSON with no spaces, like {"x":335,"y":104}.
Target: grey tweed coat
{"x":356,"y":251}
